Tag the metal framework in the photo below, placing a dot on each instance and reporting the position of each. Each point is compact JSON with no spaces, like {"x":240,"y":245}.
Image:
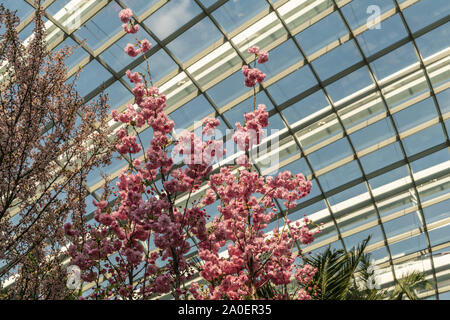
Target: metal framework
{"x":388,"y":98}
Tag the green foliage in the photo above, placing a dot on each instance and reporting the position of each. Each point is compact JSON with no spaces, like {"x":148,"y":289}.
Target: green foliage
{"x":336,"y":277}
{"x":408,"y":284}
{"x":335,"y":271}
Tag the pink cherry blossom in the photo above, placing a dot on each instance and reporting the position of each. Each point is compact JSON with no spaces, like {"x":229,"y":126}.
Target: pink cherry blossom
{"x":148,"y":213}
{"x":130,"y":28}
{"x":133,"y":76}
{"x":125,"y":15}
{"x":252,"y":76}
{"x":263,"y":57}
{"x":253,"y":50}
{"x":131,"y":50}
{"x":209,"y":126}
{"x":145,"y":45}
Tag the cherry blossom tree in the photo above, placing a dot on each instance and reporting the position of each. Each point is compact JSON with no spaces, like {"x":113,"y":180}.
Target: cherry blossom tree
{"x":46,"y":151}
{"x":157,"y":206}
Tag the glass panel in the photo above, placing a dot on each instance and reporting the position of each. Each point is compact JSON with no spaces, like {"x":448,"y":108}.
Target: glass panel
{"x":373,"y":134}
{"x":71,"y":13}
{"x":381,"y":158}
{"x":118,"y":95}
{"x":92,"y":73}
{"x":101,"y":27}
{"x":236,"y":114}
{"x":438,"y":160}
{"x":356,"y":219}
{"x":355,"y":239}
{"x":405,"y":89}
{"x":444,"y":295}
{"x":95,"y":176}
{"x":317,"y":211}
{"x":215,"y":64}
{"x":160,"y":65}
{"x":415,"y":115}
{"x":145,"y":137}
{"x":178,"y":88}
{"x":299,"y":12}
{"x":228,"y":89}
{"x":101,"y":191}
{"x":394,"y":61}
{"x":196,"y":39}
{"x":330,"y":154}
{"x":280,"y":58}
{"x":374,"y":40}
{"x":288,"y":149}
{"x":403,"y":224}
{"x":426,"y":12}
{"x":443,"y":281}
{"x":407,"y":246}
{"x":319,"y":131}
{"x":340,"y":176}
{"x":337,"y":60}
{"x":439,"y":235}
{"x":139,"y":6}
{"x":306,"y":108}
{"x":297,"y":166}
{"x":90,"y":208}
{"x":275,"y":124}
{"x":171,"y":17}
{"x":443,"y":99}
{"x":322,"y":33}
{"x":434,"y":188}
{"x":439,"y":73}
{"x":22,"y":8}
{"x":54,"y":34}
{"x":292,"y":85}
{"x":262,"y":34}
{"x":340,"y":201}
{"x":234,"y":13}
{"x":189,"y":113}
{"x":438,"y":211}
{"x":115,"y":55}
{"x":212,"y":211}
{"x":208,"y":3}
{"x":78,"y":53}
{"x":395,"y":175}
{"x":424,"y":139}
{"x":356,"y":82}
{"x":324,"y":235}
{"x":26,"y":32}
{"x":434,"y":41}
{"x":379,"y":255}
{"x":358,"y":12}
{"x":361,"y":110}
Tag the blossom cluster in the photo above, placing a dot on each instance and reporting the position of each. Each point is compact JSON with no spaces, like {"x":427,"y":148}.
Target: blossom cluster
{"x":156,"y":208}
{"x":254,"y":75}
{"x":125,"y":16}
{"x":130,"y":27}
{"x":254,"y":258}
{"x":251,"y":133}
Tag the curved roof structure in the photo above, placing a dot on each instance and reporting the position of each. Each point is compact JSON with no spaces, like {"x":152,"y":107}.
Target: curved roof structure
{"x":359,"y":94}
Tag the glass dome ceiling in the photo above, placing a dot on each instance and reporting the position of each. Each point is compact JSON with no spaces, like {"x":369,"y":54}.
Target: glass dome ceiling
{"x":360,"y":94}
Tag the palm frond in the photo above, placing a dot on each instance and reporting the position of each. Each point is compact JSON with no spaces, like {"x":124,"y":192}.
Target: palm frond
{"x":408,"y":284}
{"x":335,"y":270}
